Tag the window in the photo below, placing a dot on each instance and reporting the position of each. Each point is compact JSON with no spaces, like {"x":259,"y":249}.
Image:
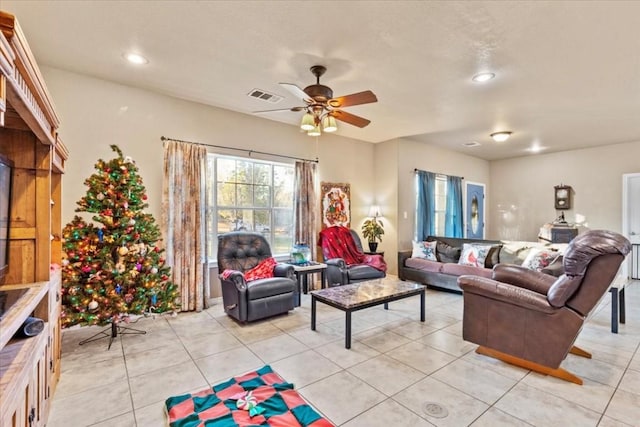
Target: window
{"x":441,"y":204}
{"x":439,"y":208}
{"x":251,"y":195}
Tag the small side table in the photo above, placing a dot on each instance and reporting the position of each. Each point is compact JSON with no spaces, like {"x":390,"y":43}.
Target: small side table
{"x":617,"y":301}
{"x":302,"y":275}
{"x":374,"y":253}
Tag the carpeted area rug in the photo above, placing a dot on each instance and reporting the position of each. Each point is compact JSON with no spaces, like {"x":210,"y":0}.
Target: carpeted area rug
{"x":260,"y":398}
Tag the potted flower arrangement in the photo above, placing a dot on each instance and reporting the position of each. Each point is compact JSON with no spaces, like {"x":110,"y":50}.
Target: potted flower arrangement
{"x":372,"y":230}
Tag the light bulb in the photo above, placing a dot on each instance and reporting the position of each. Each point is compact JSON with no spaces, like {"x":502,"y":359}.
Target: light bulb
{"x":315,"y":131}
{"x":501,"y":136}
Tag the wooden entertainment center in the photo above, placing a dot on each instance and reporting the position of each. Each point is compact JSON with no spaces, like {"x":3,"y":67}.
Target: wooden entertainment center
{"x":29,"y":367}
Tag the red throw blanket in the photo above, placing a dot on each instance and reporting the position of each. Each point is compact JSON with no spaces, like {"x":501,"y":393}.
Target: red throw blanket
{"x":337,"y":242}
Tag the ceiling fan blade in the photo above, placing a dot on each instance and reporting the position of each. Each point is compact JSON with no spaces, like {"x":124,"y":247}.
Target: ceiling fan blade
{"x":280,"y":109}
{"x":352,"y":119}
{"x":299,"y":93}
{"x":359,"y":98}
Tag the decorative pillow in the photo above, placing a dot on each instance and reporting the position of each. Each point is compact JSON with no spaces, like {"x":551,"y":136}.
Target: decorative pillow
{"x":426,"y":250}
{"x":474,"y":255}
{"x":262,"y":270}
{"x":493,"y":257}
{"x":538,"y":259}
{"x":446,"y":252}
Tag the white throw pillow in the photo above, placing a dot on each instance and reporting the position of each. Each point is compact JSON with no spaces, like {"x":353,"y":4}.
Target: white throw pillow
{"x":426,"y":250}
{"x":537,"y":259}
{"x":474,"y":254}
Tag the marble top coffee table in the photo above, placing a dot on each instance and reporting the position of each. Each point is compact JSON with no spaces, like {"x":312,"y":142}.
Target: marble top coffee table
{"x":358,"y":296}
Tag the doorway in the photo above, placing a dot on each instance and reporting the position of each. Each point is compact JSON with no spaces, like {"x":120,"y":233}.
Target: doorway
{"x":631,"y":221}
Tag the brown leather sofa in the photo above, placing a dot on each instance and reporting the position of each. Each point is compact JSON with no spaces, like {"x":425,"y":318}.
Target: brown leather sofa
{"x":532,"y":319}
{"x":239,"y":252}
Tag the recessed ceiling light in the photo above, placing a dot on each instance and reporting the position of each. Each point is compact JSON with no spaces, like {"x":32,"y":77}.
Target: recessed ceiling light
{"x":136,"y":58}
{"x":471,"y":143}
{"x":483,"y":77}
{"x":501,"y":136}
{"x":536,"y":148}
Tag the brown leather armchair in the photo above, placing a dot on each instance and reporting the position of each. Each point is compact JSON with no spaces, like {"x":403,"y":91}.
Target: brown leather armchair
{"x":532,"y":319}
{"x":239,"y":252}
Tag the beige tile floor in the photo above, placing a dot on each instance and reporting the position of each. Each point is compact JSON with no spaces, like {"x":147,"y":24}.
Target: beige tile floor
{"x":395,"y":366}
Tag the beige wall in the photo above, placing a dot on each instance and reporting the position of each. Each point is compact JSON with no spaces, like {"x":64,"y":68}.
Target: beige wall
{"x":386,"y":196}
{"x":521,"y":193}
{"x":415,"y":155}
{"x":95,"y":114}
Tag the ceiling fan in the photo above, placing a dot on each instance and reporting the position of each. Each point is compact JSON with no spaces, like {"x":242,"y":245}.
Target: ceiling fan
{"x":322,"y":109}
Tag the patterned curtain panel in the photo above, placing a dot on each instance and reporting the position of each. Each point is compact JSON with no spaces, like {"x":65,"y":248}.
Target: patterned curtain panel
{"x":183,"y":221}
{"x":453,"y":214}
{"x":426,"y":212}
{"x":305,"y":209}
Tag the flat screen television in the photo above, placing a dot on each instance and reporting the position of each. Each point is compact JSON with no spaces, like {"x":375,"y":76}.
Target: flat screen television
{"x":6,"y":169}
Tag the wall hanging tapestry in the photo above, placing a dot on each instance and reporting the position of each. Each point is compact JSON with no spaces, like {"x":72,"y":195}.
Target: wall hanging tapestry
{"x":335,"y":202}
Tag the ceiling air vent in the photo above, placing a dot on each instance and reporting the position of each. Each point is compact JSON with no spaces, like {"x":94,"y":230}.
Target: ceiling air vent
{"x":265,"y":96}
{"x":471,"y":144}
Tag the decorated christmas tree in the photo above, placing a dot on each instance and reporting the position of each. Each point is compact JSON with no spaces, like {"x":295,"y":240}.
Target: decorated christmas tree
{"x":115,"y":269}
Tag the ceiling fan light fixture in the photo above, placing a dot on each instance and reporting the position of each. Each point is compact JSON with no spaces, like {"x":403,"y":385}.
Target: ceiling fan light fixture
{"x":315,"y":131}
{"x":308,"y":122}
{"x":329,"y":124}
{"x":501,"y":136}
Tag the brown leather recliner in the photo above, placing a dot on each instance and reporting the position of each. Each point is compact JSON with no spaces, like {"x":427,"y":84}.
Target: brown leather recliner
{"x":239,"y":252}
{"x":532,"y":319}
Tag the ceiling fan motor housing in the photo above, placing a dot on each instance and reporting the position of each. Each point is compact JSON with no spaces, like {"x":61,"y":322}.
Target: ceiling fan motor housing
{"x":320,"y":93}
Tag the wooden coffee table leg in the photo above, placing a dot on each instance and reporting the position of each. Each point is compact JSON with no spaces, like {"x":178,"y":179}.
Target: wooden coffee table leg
{"x":313,"y":313}
{"x":621,"y":306}
{"x":615,"y":299}
{"x":422,"y":304}
{"x":347,"y":331}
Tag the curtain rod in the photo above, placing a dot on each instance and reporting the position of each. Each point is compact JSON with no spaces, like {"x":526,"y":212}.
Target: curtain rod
{"x":164,"y":138}
{"x":442,"y":174}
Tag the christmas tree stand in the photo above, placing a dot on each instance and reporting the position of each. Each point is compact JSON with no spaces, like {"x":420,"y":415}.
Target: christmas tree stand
{"x":112,"y":332}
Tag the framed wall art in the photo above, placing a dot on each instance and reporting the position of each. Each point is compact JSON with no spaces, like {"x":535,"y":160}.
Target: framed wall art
{"x":335,"y":203}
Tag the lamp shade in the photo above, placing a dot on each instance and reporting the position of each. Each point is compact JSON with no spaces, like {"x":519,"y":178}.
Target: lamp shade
{"x":329,"y":124}
{"x":315,"y":131}
{"x":308,"y":122}
{"x":374,"y":211}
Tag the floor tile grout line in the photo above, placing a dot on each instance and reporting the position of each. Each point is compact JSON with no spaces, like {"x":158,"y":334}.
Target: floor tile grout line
{"x":374,"y":324}
{"x":617,"y":387}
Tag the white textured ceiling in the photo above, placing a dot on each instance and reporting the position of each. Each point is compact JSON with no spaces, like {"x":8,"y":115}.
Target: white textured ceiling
{"x":568,"y":73}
